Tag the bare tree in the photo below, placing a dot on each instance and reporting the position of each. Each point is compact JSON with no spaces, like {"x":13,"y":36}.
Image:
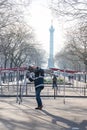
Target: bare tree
{"x":17,"y":40}
{"x":71,"y":9}
{"x":76,"y":46}
{"x":18,"y":46}
{"x":68,"y":60}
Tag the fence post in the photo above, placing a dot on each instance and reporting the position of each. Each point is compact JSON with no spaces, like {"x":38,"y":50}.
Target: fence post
{"x":17,"y":81}
{"x":84,"y":91}
{"x":26,"y":88}
{"x":54,"y":92}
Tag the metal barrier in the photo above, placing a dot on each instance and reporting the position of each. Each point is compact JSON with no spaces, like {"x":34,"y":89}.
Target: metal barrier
{"x":29,"y":90}
{"x":17,"y":86}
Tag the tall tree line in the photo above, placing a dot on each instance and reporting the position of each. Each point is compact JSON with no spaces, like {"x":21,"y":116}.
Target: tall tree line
{"x":18,"y":45}
{"x":74,"y":53}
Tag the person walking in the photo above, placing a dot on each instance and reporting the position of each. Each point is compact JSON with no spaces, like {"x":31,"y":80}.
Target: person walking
{"x":38,"y":79}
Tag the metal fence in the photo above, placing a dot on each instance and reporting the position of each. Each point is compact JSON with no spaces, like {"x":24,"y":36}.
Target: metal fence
{"x":14,"y":84}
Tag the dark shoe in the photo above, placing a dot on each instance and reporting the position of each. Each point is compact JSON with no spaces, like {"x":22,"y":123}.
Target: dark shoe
{"x":39,"y":108}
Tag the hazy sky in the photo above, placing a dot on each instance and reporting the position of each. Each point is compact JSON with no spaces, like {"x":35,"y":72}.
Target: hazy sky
{"x":41,"y":17}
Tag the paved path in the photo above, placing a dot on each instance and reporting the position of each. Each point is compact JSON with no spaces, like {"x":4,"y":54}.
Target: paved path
{"x":55,"y":115}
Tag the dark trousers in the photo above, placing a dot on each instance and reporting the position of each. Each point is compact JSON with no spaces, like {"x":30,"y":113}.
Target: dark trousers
{"x":38,"y":98}
{"x":54,"y":85}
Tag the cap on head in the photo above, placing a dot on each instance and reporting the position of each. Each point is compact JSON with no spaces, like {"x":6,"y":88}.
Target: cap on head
{"x":31,"y":68}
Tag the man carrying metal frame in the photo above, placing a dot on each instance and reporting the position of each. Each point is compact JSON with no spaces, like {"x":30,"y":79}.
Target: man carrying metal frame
{"x":38,"y":79}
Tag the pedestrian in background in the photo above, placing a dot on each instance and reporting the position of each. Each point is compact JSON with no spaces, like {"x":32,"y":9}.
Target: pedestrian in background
{"x":54,"y":81}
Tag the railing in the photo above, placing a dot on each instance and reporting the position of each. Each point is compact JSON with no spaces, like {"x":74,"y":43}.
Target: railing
{"x":11,"y":86}
{"x":29,"y":90}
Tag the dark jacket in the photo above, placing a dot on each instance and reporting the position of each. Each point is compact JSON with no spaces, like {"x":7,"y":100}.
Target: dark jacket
{"x":54,"y":79}
{"x":38,"y":79}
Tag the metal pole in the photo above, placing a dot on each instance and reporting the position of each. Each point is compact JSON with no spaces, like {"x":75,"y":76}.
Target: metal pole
{"x":0,"y":82}
{"x":17,"y":79}
{"x":64,"y":86}
{"x":54,"y":92}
